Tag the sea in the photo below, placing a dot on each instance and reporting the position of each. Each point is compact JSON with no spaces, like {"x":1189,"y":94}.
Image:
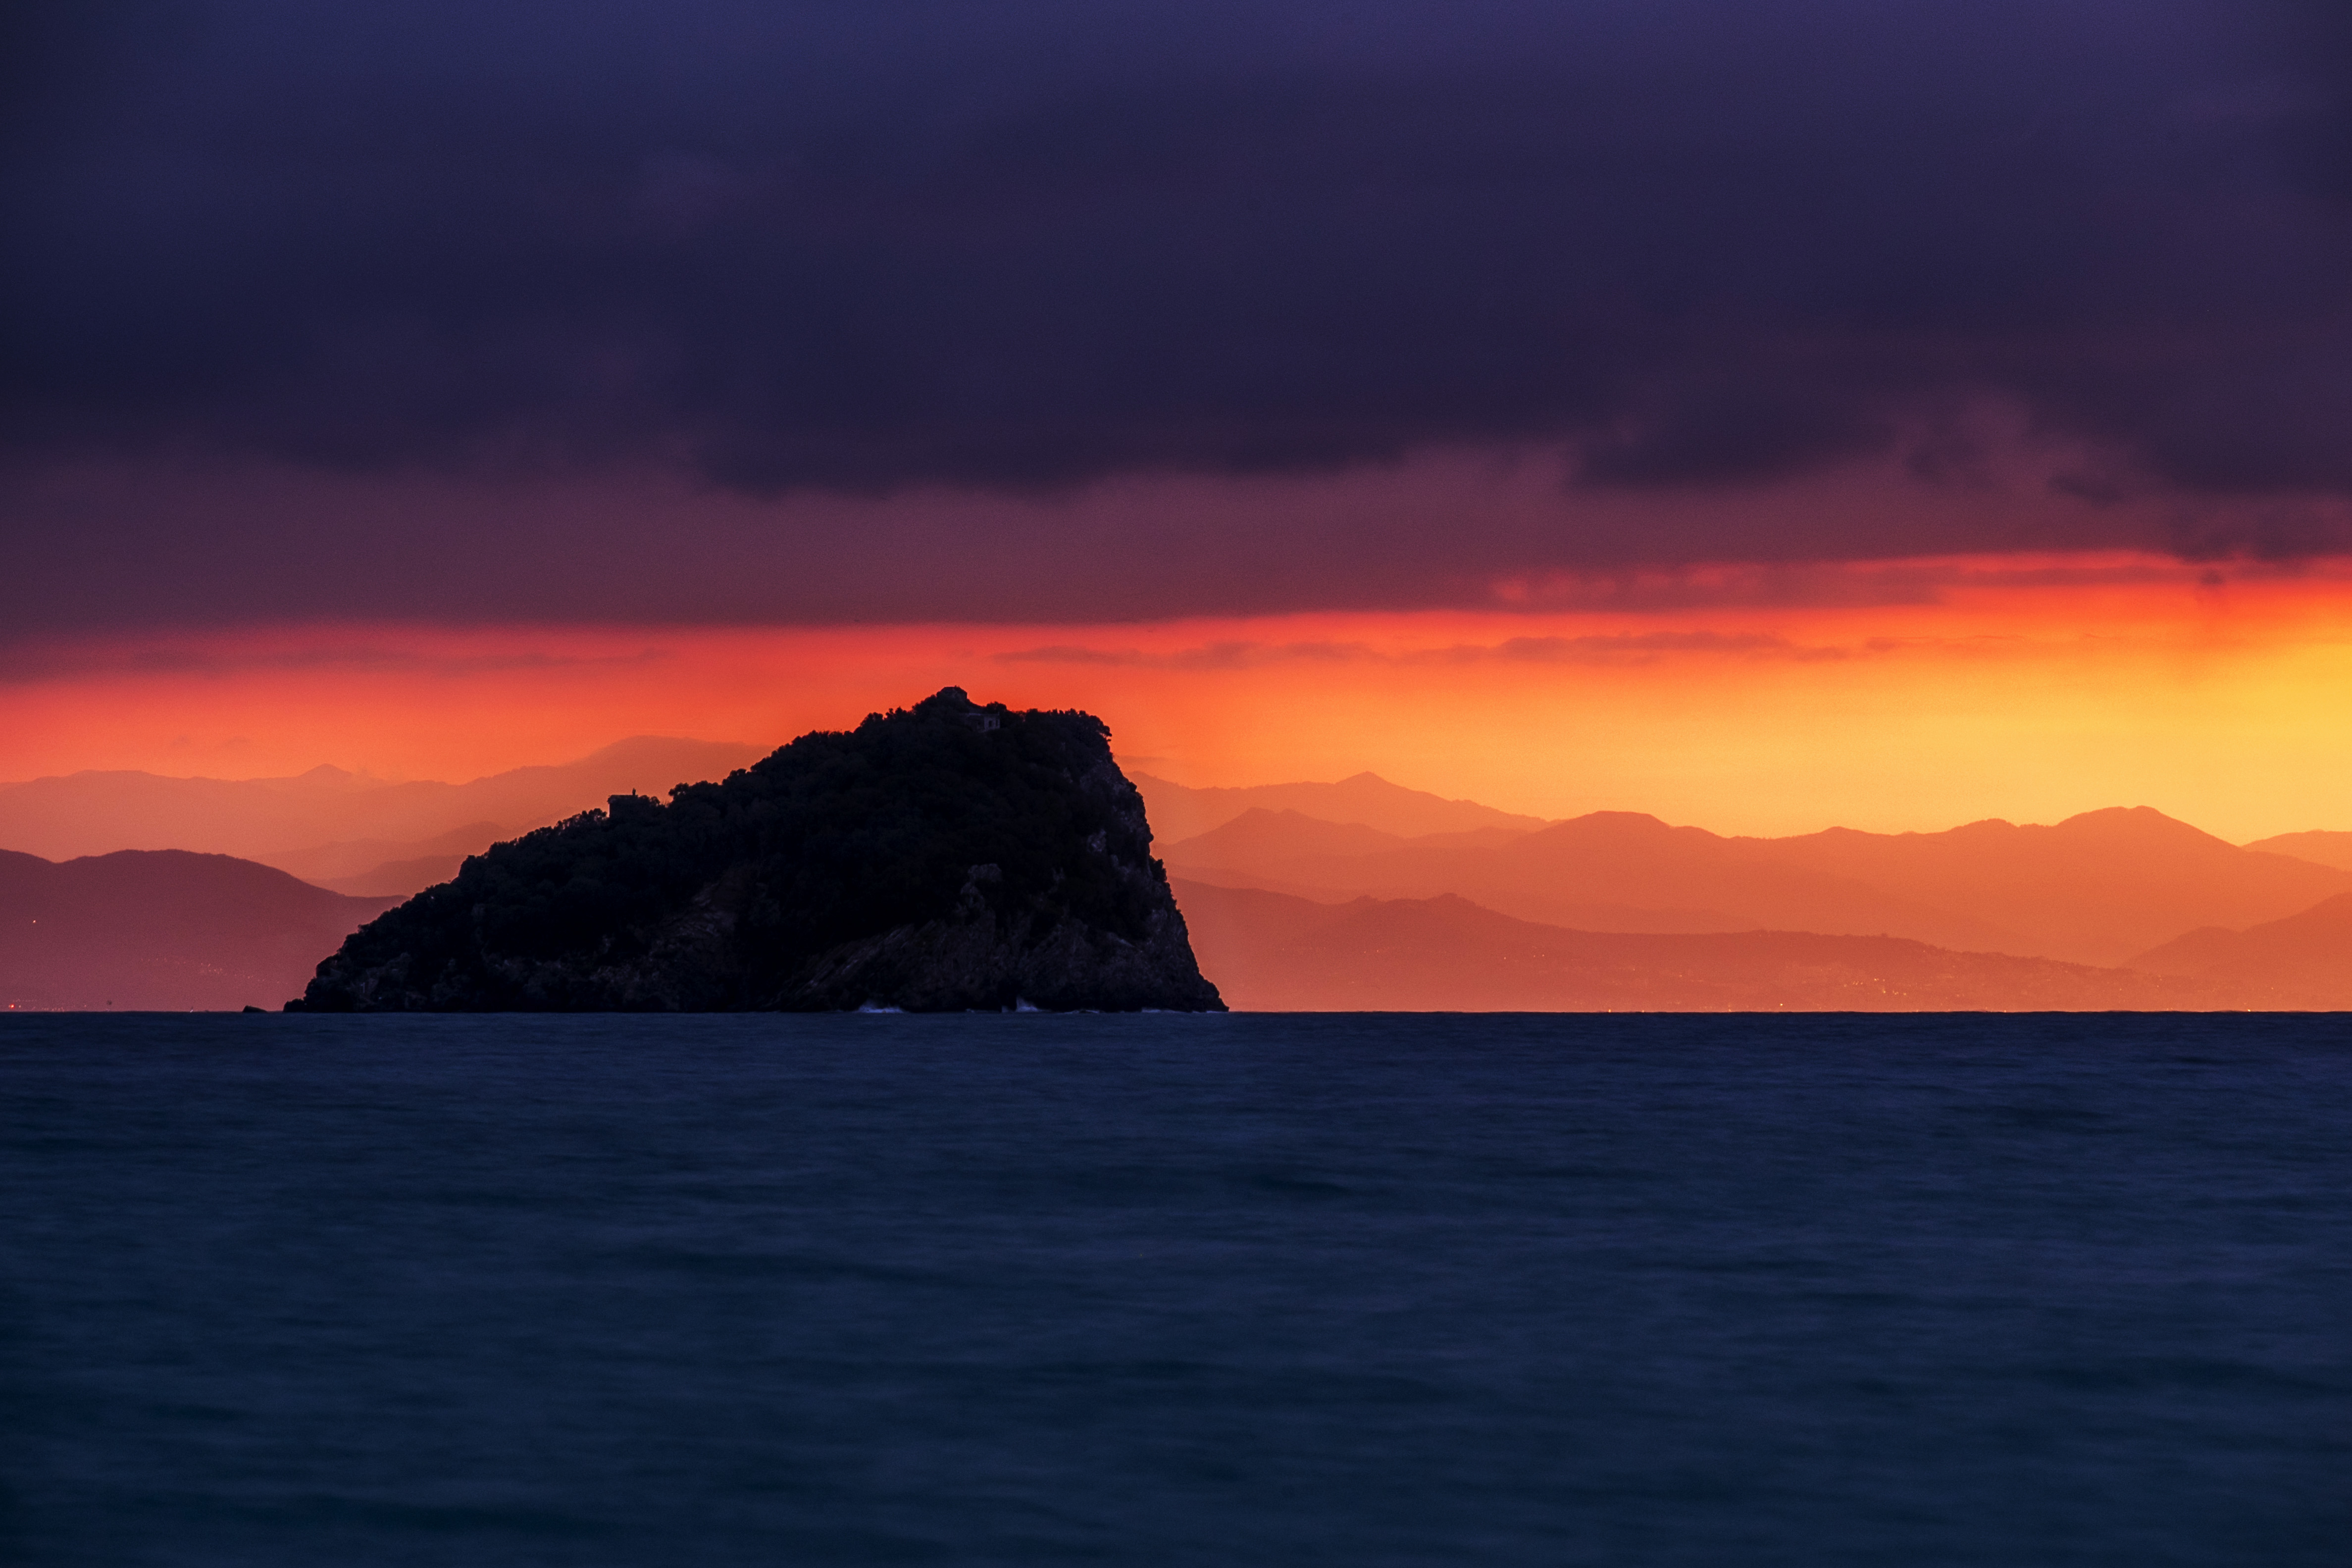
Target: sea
{"x":1352,"y":1289}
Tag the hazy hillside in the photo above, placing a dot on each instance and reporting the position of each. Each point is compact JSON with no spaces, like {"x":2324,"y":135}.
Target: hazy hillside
{"x":2320,"y":848}
{"x":1259,"y":836}
{"x":2302,"y":961}
{"x":1355,"y":895}
{"x":2096,"y":889}
{"x":1609,"y":870}
{"x":1269,"y":952}
{"x":1179,"y":811}
{"x":373,"y":868}
{"x":163,"y":929}
{"x":312,"y":817}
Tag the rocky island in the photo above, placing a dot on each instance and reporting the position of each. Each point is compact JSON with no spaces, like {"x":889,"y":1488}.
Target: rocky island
{"x":945,"y":857}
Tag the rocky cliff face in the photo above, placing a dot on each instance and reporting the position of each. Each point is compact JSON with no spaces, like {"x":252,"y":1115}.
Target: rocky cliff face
{"x":943,"y":858}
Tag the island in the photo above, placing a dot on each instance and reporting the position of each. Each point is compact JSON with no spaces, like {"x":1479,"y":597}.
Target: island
{"x":948,"y":857}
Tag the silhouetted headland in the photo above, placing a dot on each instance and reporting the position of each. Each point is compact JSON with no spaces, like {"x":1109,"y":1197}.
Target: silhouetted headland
{"x":948,"y":857}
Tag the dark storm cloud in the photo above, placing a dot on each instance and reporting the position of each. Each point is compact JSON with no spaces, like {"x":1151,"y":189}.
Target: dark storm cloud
{"x":862,"y":246}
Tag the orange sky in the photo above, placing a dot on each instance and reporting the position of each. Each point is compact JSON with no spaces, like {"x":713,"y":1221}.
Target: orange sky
{"x":2021,"y":687}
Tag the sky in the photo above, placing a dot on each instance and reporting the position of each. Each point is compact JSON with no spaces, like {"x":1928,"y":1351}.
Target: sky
{"x":1764,"y":414}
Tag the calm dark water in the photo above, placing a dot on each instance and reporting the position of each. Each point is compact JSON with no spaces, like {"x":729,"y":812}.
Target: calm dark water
{"x":1355,"y":1290}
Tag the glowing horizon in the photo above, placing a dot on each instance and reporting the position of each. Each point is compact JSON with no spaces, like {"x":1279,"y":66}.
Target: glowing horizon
{"x":2023,"y":687}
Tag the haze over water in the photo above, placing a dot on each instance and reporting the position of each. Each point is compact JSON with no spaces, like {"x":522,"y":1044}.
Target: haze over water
{"x":1352,"y":1289}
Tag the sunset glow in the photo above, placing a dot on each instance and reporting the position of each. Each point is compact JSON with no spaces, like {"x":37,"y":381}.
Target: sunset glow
{"x":2027,"y":688}
{"x":1236,"y":782}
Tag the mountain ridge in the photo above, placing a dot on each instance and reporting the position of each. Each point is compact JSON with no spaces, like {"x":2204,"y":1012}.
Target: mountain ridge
{"x":2302,"y":961}
{"x":162,"y":929}
{"x":2097,"y":888}
{"x":2319,"y":846}
{"x":66,"y":815}
{"x":1182,"y":811}
{"x":2246,"y":920}
{"x":1446,"y":953}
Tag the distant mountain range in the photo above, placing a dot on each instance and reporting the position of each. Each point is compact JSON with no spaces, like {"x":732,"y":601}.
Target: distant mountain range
{"x":353,"y":833}
{"x":1272,"y":952}
{"x":2302,"y":961}
{"x":1179,"y":811}
{"x":2096,"y":889}
{"x":2326,"y":849}
{"x":163,"y":929}
{"x":1359,"y":894}
{"x":373,"y":868}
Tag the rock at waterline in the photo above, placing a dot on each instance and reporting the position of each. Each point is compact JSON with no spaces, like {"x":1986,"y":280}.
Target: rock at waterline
{"x":947,"y":857}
